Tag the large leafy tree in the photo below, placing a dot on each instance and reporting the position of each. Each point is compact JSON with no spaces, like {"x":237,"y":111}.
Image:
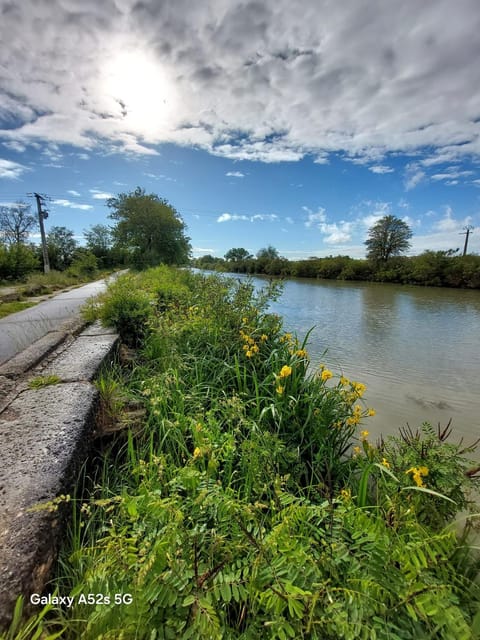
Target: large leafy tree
{"x":61,"y":246}
{"x":15,"y":223}
{"x":150,"y":228}
{"x":236,"y":254}
{"x":388,"y":237}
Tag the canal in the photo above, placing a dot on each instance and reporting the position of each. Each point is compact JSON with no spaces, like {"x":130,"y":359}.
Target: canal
{"x":416,"y":348}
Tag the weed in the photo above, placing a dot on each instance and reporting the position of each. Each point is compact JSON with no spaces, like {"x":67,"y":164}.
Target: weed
{"x":43,"y":381}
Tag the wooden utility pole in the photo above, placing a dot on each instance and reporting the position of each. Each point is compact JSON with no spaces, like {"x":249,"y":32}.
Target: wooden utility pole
{"x":42,"y":214}
{"x":468,"y":228}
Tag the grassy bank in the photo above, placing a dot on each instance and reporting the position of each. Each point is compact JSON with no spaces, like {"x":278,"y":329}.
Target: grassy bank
{"x":240,"y":496}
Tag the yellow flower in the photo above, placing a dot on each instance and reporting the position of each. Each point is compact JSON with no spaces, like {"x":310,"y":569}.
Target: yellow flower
{"x":359,"y":388}
{"x":364,"y":434}
{"x":263,"y":337}
{"x":249,"y":353}
{"x":357,"y":451}
{"x":197,"y":452}
{"x":280,"y":389}
{"x":386,"y":463}
{"x":326,"y":375}
{"x":255,"y":348}
{"x":302,"y":353}
{"x":285,"y":371}
{"x":417,"y":473}
{"x":245,"y":320}
{"x":371,"y":412}
{"x":344,"y":381}
{"x":346,"y":494}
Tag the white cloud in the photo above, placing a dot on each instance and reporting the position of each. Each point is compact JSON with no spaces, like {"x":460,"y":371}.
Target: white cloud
{"x":15,"y":146}
{"x":235,"y":174}
{"x":414,"y":175}
{"x":72,"y":192}
{"x":11,"y":170}
{"x":253,"y":80}
{"x":227,"y":217}
{"x":381,"y":168}
{"x":72,"y":205}
{"x":100,"y":195}
{"x":314,"y":217}
{"x":258,"y":217}
{"x":449,"y":223}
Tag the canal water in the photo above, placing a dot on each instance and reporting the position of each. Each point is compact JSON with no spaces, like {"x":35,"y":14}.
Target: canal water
{"x":416,"y":348}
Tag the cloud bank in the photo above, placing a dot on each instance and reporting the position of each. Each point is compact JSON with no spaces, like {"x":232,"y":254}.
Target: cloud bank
{"x":252,"y":80}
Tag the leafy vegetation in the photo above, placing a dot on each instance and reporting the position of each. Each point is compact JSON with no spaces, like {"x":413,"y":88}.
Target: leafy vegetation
{"x":250,"y":503}
{"x":432,"y":268}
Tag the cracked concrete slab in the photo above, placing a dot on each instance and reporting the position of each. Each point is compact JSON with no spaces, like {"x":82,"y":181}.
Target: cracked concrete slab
{"x":44,"y":435}
{"x":82,"y":360}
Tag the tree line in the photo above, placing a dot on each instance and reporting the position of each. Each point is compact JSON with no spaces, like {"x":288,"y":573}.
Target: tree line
{"x":387,"y":242}
{"x":145,"y":231}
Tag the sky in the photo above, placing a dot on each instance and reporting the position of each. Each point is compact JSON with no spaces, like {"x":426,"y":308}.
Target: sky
{"x":266,"y":122}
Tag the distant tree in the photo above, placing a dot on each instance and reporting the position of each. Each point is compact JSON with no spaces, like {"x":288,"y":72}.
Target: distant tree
{"x":99,"y":241}
{"x":235,"y":255}
{"x":388,"y":237}
{"x":268,"y":253}
{"x":61,"y":247}
{"x":150,"y":227}
{"x":16,"y":222}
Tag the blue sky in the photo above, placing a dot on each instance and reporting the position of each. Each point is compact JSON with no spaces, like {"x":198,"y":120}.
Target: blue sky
{"x":259,"y":123}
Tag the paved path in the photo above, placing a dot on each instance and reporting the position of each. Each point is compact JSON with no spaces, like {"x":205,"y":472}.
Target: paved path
{"x":19,"y":330}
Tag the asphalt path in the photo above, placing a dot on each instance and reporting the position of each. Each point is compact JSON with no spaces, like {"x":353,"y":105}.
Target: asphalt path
{"x":21,"y":329}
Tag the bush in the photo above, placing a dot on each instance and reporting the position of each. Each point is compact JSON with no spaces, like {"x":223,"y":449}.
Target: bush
{"x":127,"y":309}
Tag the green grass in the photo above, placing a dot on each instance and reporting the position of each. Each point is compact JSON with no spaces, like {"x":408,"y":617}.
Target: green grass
{"x":43,"y":381}
{"x":6,"y":308}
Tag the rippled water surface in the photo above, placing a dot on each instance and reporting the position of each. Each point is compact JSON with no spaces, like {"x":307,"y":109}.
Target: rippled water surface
{"x":416,"y":348}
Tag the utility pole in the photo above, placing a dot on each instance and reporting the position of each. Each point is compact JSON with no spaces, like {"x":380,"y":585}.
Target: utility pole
{"x":468,"y":228}
{"x":42,"y":214}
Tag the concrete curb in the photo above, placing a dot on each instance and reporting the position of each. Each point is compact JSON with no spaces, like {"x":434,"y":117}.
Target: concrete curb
{"x":45,"y":437}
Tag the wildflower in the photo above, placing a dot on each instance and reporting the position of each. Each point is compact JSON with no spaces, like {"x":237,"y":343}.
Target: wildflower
{"x":364,"y":434}
{"x":326,"y":375}
{"x":359,"y":388}
{"x":285,"y":371}
{"x":302,"y":353}
{"x":386,"y":463}
{"x":344,"y":381}
{"x":197,"y":452}
{"x":417,"y":473}
{"x":280,"y":389}
{"x":356,"y":451}
{"x":352,"y":420}
{"x":255,"y":348}
{"x":346,"y":494}
{"x":263,"y":337}
{"x":249,"y":353}
{"x":371,"y":412}
{"x":245,"y":320}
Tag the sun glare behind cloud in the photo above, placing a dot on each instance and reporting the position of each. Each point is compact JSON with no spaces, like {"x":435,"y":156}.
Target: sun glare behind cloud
{"x":143,"y":94}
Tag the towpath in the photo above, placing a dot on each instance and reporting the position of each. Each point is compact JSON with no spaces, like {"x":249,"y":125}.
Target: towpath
{"x":19,"y":330}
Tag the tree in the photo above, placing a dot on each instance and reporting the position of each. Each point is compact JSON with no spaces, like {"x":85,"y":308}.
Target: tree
{"x":61,"y":247}
{"x":150,"y":227}
{"x":16,"y":222}
{"x":99,"y":241}
{"x":235,"y":255}
{"x":268,"y":253}
{"x":388,"y":237}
